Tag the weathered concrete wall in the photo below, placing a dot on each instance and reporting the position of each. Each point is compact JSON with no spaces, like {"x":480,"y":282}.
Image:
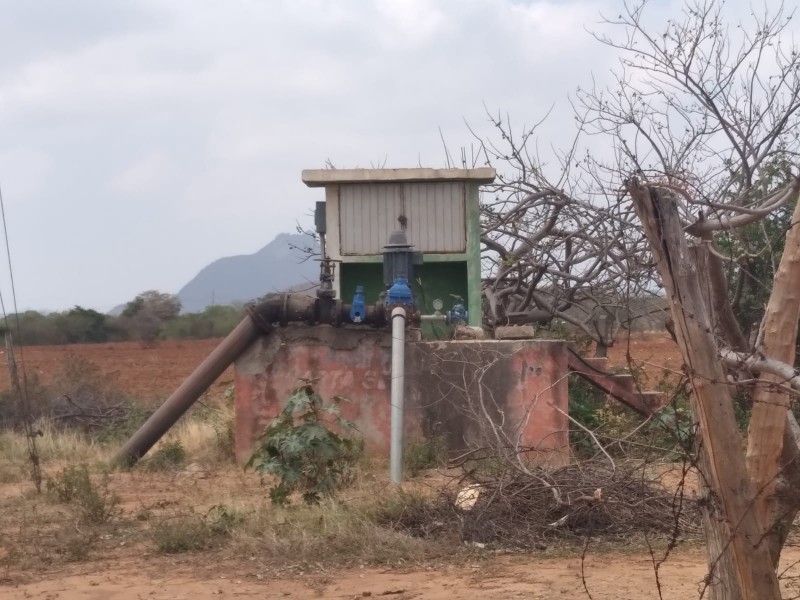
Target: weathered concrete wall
{"x":506,"y":391}
{"x":447,"y":385}
{"x":350,"y":363}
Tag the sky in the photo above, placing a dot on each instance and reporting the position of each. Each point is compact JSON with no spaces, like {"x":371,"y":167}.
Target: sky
{"x":142,"y":139}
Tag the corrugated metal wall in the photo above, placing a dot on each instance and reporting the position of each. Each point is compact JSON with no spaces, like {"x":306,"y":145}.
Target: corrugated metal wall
{"x":435,"y":212}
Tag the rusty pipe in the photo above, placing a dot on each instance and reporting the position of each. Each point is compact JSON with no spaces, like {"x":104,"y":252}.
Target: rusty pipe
{"x":274,"y":309}
{"x":279,"y":308}
{"x":188,"y":393}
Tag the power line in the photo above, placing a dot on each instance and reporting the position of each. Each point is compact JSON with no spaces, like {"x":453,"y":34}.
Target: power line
{"x":21,"y":390}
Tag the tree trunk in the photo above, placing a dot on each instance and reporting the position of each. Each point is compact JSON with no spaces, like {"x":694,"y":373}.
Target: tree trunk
{"x":765,"y":451}
{"x":739,"y":568}
{"x":715,"y":293}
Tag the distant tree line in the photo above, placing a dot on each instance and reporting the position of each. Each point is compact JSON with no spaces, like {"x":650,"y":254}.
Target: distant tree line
{"x":148,"y":318}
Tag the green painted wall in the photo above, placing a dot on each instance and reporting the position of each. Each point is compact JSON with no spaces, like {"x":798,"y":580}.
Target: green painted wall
{"x":431,"y":280}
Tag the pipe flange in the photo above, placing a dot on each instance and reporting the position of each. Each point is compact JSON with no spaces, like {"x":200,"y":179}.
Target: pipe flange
{"x":258,"y":319}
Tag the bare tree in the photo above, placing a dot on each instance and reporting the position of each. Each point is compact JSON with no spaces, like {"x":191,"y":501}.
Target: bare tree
{"x":556,"y":244}
{"x":708,"y":109}
{"x":146,"y":314}
{"x":701,"y":129}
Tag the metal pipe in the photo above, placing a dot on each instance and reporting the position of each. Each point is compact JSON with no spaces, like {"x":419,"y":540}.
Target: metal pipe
{"x":275,"y":308}
{"x":187,"y":394}
{"x":397,"y":399}
{"x":434,"y":317}
{"x":260,"y":317}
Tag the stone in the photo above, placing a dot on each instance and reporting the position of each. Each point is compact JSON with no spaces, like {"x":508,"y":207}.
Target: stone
{"x":515,"y":332}
{"x":469,"y":332}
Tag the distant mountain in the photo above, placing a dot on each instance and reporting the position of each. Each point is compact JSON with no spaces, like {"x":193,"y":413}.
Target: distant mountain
{"x":276,"y":267}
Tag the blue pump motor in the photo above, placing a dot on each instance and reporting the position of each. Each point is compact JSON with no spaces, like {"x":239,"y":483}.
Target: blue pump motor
{"x":400,"y":293}
{"x":358,"y":308}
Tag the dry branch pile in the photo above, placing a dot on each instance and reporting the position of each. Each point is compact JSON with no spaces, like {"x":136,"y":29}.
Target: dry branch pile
{"x":568,"y":503}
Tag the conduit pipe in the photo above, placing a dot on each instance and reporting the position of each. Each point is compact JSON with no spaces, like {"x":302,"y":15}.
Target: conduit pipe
{"x":397,"y":398}
{"x":187,"y":394}
{"x":276,"y":308}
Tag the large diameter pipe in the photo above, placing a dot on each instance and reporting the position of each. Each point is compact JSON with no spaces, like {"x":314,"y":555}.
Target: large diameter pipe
{"x":187,"y":394}
{"x":275,"y":308}
{"x":259,"y":319}
{"x":397,"y":398}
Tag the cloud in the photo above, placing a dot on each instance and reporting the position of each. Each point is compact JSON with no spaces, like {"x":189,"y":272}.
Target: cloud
{"x":143,"y":176}
{"x":143,"y":139}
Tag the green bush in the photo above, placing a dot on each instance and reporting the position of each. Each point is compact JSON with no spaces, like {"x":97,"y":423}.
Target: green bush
{"x":301,"y":448}
{"x":621,"y":430}
{"x":213,"y":322}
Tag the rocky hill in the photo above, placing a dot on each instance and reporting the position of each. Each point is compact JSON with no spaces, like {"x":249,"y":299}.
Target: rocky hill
{"x":277,"y":267}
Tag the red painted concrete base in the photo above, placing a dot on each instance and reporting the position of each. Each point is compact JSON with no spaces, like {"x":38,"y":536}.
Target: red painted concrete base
{"x":463,"y":391}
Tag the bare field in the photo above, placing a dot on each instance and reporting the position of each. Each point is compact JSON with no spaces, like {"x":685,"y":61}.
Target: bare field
{"x":125,"y":564}
{"x":153,"y":373}
{"x":146,"y":374}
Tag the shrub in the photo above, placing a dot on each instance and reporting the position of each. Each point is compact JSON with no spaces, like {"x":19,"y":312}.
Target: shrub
{"x":192,"y":533}
{"x":93,"y":504}
{"x":169,"y":455}
{"x":73,"y":545}
{"x":86,"y":398}
{"x":39,"y":397}
{"x":301,"y":448}
{"x":185,"y":534}
{"x":426,"y":453}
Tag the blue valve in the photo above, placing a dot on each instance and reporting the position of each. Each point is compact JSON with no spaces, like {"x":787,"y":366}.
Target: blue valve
{"x":400,"y":293}
{"x":358,"y":308}
{"x":458,"y":314}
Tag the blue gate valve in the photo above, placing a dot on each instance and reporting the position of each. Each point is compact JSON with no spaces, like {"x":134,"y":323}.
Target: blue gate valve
{"x":458,"y":314}
{"x":358,"y":308}
{"x":400,"y":293}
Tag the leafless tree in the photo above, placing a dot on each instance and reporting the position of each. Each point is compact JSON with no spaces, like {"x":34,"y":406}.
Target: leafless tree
{"x":705,"y":108}
{"x":556,"y":246}
{"x":700,"y":142}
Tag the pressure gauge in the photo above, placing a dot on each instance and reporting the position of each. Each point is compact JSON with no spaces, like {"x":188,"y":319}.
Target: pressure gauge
{"x":438,"y":304}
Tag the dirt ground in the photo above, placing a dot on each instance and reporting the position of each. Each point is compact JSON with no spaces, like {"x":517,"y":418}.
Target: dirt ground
{"x":612,"y":577}
{"x":656,"y":353}
{"x":147,"y":374}
{"x":124,"y":569}
{"x":607,"y":576}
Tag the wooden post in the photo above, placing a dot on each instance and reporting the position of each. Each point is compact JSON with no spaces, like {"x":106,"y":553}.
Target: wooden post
{"x":770,"y":405}
{"x":741,"y":566}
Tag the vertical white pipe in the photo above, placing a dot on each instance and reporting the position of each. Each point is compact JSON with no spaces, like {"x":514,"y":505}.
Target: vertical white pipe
{"x":398,"y":389}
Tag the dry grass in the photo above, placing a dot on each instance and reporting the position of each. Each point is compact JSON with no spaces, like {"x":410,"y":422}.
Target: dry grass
{"x":345,"y":531}
{"x":216,"y":514}
{"x":56,"y":446}
{"x":206,"y":436}
{"x":168,"y":505}
{"x":216,"y":510}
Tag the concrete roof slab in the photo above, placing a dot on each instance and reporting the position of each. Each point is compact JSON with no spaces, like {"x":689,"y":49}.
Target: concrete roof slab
{"x":323,"y":177}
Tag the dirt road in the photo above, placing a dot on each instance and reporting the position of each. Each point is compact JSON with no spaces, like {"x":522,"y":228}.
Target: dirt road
{"x":607,"y":576}
{"x":618,"y":577}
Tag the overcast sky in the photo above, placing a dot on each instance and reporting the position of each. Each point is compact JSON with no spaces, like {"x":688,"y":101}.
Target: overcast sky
{"x":141,"y":140}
